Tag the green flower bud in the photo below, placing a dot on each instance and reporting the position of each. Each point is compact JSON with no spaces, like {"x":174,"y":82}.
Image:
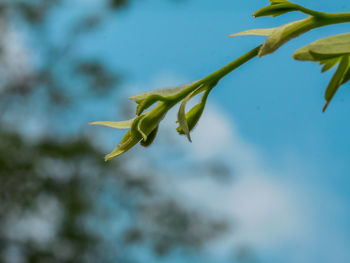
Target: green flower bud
{"x":279,"y":35}
{"x":277,"y":8}
{"x":150,"y":138}
{"x":192,"y":117}
{"x":147,"y":99}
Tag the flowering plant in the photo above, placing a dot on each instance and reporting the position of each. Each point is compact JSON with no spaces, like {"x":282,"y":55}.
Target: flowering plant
{"x":329,"y":52}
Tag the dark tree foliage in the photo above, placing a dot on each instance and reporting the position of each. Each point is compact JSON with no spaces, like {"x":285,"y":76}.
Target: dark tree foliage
{"x":59,"y":201}
{"x":69,"y":179}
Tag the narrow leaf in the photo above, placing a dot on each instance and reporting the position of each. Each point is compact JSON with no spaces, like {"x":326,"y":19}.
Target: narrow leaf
{"x":117,"y":125}
{"x":139,"y":129}
{"x":126,"y":144}
{"x":255,"y":32}
{"x":276,"y":9}
{"x":336,"y":80}
{"x":333,"y":45}
{"x":195,"y":113}
{"x":151,"y":119}
{"x":150,"y":138}
{"x":147,"y":99}
{"x":181,"y":116}
{"x":285,"y":33}
{"x":280,"y":35}
{"x":130,"y":139}
{"x":329,"y":63}
{"x":326,"y":48}
{"x":346,"y":76}
{"x":160,"y":92}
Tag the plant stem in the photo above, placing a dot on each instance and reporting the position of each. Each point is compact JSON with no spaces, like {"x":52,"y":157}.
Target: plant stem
{"x":310,"y":11}
{"x":320,"y":14}
{"x":312,"y":22}
{"x":219,"y":74}
{"x":210,"y":81}
{"x":336,"y":18}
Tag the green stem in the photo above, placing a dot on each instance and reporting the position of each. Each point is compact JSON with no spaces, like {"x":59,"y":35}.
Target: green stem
{"x":319,"y":14}
{"x":311,"y":12}
{"x":318,"y":20}
{"x":219,"y":74}
{"x":292,"y":30}
{"x":336,"y":17}
{"x":210,"y":81}
{"x":323,"y":19}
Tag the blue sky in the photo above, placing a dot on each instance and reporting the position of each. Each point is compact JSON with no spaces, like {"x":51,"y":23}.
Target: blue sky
{"x":270,"y":109}
{"x":276,"y":101}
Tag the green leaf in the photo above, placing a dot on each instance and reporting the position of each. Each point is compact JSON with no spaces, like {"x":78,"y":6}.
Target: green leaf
{"x":329,"y":63}
{"x":329,"y":52}
{"x":130,"y":139}
{"x":116,"y":125}
{"x":143,"y":128}
{"x":181,"y":116}
{"x":326,"y":48}
{"x":332,"y":46}
{"x":150,"y":138}
{"x":320,"y":56}
{"x":127,"y":143}
{"x":303,"y":54}
{"x":277,"y":9}
{"x":285,"y":33}
{"x":255,"y":32}
{"x":150,"y":120}
{"x":195,"y":113}
{"x":139,"y":129}
{"x":280,"y":35}
{"x":337,"y":80}
{"x":160,"y":92}
{"x":147,"y":99}
{"x":346,"y":76}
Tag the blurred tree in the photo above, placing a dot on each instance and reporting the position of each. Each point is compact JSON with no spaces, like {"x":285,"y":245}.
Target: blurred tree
{"x":56,"y":199}
{"x":59,"y":202}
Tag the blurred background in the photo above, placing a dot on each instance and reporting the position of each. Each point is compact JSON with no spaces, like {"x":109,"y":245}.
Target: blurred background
{"x":266,"y":178}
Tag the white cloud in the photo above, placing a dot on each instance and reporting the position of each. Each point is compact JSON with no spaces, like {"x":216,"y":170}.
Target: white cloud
{"x":271,"y":209}
{"x":267,"y":212}
{"x":212,"y":136}
{"x":15,"y":64}
{"x":43,"y":223}
{"x":217,"y":136}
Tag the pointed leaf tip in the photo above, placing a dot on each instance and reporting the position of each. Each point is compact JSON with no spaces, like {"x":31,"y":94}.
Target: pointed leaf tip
{"x":255,"y":32}
{"x":183,"y":121}
{"x":325,"y":107}
{"x":277,"y":9}
{"x":181,"y":116}
{"x":150,"y":138}
{"x":139,"y":129}
{"x":337,"y":80}
{"x":193,"y":116}
{"x":325,"y":48}
{"x":116,"y":125}
{"x":285,"y":33}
